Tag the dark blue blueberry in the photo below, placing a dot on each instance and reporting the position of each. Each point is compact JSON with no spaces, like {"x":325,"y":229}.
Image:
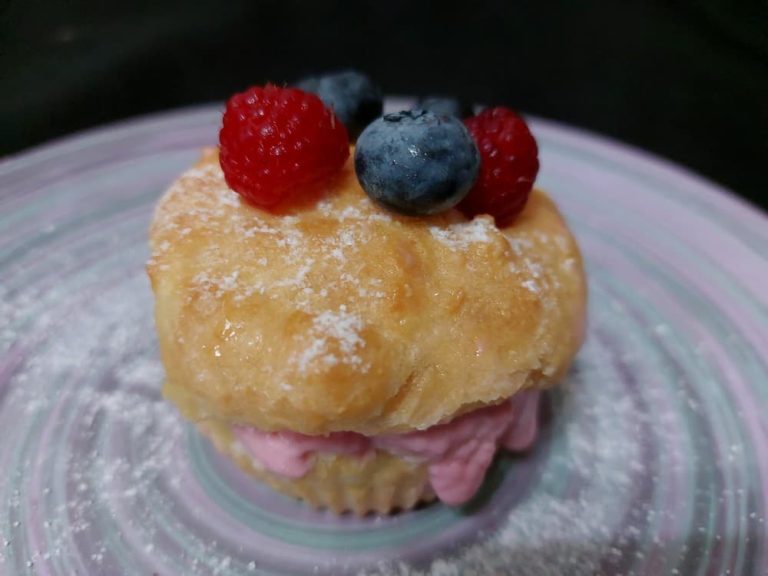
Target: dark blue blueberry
{"x":355,"y":99}
{"x":416,"y":162}
{"x":445,"y":106}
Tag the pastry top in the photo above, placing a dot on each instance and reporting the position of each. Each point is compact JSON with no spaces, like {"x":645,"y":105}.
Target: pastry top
{"x":337,"y":314}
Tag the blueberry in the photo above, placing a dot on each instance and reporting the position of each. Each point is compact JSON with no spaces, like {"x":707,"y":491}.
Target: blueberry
{"x":416,"y":162}
{"x":355,"y":99}
{"x":445,"y":106}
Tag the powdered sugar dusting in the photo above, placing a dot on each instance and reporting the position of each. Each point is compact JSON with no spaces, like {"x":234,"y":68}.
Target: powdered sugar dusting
{"x":203,"y":283}
{"x":461,"y":235}
{"x":525,"y":263}
{"x":287,"y":249}
{"x":100,"y":368}
{"x":340,"y":327}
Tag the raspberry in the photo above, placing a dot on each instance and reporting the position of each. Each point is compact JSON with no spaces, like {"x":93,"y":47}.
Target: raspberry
{"x":508,"y":165}
{"x":277,"y":141}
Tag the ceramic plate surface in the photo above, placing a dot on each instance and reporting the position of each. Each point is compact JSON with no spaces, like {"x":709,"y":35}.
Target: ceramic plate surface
{"x":653,"y":458}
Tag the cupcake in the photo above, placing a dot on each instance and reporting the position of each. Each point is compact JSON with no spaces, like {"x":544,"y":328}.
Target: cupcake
{"x":364,"y":328}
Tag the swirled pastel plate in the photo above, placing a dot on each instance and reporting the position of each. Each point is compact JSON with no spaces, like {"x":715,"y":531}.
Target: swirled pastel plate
{"x":654,"y":454}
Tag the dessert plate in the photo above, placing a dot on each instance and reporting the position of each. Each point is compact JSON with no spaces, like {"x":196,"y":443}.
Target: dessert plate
{"x":653,"y":458}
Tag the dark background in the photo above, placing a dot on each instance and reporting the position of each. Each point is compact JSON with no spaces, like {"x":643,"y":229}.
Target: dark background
{"x":686,"y":80}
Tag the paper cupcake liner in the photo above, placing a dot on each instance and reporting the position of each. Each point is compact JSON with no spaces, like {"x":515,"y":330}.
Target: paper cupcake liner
{"x":379,"y":482}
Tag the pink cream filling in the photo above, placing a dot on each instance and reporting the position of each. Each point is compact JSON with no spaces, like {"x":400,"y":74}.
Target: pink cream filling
{"x":458,"y":452}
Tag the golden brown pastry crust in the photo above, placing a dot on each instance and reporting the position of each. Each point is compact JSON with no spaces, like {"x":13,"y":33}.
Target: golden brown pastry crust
{"x":340,"y":315}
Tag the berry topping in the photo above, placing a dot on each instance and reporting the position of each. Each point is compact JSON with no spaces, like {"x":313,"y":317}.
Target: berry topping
{"x":355,"y":99}
{"x":508,"y":167}
{"x":416,"y":162}
{"x":276,"y":142}
{"x":445,"y":106}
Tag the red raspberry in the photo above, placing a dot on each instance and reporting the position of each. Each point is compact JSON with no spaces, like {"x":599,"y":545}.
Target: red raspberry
{"x":508,"y":165}
{"x":277,"y":141}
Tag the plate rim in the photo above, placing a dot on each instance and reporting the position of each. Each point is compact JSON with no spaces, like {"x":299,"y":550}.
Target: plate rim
{"x":615,"y":148}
